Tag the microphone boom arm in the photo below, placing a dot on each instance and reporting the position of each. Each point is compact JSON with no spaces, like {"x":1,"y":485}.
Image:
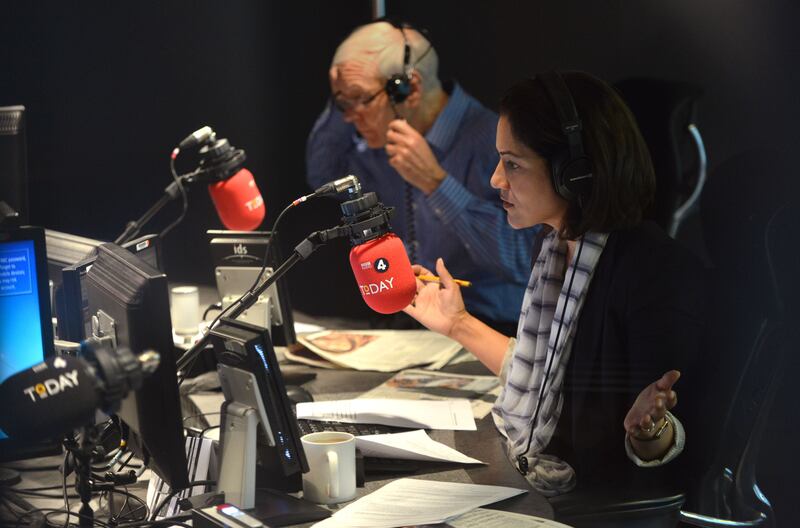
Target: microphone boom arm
{"x":171,"y":192}
{"x":301,"y":252}
{"x":358,"y":227}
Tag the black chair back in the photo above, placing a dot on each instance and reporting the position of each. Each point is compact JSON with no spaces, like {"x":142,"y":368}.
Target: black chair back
{"x":746,"y":220}
{"x":664,"y":111}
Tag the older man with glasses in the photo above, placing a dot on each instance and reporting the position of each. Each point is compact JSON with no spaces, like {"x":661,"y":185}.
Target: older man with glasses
{"x":427,"y":148}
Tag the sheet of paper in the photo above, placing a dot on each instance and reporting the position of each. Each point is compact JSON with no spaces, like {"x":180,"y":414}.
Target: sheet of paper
{"x":411,"y":445}
{"x":454,"y":415}
{"x":419,"y":384}
{"x":486,"y":518}
{"x":302,"y":328}
{"x":423,"y":502}
{"x":381,"y":350}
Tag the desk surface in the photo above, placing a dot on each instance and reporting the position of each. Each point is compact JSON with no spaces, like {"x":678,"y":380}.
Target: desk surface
{"x":485,"y":444}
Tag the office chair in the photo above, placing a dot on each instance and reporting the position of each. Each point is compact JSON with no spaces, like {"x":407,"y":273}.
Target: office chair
{"x":750,"y":225}
{"x":749,"y":228}
{"x":666,"y":114}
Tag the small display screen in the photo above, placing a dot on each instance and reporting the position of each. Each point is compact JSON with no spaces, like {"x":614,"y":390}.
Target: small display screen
{"x":231,"y":511}
{"x":21,"y":341}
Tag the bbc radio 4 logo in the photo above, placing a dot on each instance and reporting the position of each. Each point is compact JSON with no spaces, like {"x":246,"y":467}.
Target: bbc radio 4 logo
{"x":381,"y":265}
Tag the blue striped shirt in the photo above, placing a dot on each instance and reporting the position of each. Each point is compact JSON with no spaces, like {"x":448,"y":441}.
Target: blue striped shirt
{"x":462,"y":221}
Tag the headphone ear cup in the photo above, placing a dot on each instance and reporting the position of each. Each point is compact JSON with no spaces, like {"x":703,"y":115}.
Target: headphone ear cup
{"x":398,"y":88}
{"x":571,"y":178}
{"x":577,"y":177}
{"x":558,"y":163}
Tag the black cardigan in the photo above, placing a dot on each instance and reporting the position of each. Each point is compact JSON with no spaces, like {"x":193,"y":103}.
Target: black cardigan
{"x":644,"y":314}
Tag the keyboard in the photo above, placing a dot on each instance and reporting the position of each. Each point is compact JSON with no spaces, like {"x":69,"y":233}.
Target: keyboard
{"x":355,"y":429}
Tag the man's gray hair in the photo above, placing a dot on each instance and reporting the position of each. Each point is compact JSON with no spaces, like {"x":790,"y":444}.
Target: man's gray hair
{"x":382,"y":44}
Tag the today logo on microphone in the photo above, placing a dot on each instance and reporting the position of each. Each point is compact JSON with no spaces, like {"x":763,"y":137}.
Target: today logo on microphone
{"x":52,"y":386}
{"x":376,"y":287}
{"x":255,"y":203}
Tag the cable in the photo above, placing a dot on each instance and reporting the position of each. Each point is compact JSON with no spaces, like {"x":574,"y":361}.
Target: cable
{"x":43,"y":495}
{"x":184,"y":197}
{"x":169,"y":521}
{"x":64,"y":488}
{"x":215,"y":306}
{"x":522,"y":461}
{"x":174,"y":492}
{"x":53,"y":511}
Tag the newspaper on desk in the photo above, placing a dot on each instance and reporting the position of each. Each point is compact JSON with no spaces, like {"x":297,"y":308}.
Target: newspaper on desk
{"x":378,"y":350}
{"x":418,"y":384}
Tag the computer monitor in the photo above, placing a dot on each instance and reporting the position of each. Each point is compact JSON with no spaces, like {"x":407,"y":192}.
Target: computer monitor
{"x":251,"y":377}
{"x":66,"y":249}
{"x":129,"y":303}
{"x":26,"y":336}
{"x":71,"y":301}
{"x":238,"y":257}
{"x":13,"y":161}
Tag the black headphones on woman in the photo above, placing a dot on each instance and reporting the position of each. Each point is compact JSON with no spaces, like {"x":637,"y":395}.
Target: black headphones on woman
{"x":572,"y":178}
{"x":571,"y":169}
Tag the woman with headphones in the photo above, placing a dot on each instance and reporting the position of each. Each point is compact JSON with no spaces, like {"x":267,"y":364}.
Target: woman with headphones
{"x":613,"y":306}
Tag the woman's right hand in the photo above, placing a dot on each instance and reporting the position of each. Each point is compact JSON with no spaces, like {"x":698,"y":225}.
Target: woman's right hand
{"x":438,"y":305}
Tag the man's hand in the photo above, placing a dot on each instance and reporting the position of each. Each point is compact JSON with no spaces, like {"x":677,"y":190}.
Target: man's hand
{"x":412,"y":157}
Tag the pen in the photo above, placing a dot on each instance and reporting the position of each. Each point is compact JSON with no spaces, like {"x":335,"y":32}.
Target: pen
{"x":434,"y":278}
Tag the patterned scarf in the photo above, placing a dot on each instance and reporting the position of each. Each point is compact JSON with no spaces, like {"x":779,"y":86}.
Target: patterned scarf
{"x":539,"y":320}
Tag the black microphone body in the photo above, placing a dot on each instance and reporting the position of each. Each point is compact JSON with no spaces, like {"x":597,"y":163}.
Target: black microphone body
{"x":49,"y":398}
{"x":63,"y":392}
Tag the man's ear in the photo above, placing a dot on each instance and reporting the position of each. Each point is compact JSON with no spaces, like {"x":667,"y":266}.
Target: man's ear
{"x":415,"y":97}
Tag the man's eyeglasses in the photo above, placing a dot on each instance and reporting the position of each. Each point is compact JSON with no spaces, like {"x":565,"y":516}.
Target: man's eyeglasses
{"x":344,"y":104}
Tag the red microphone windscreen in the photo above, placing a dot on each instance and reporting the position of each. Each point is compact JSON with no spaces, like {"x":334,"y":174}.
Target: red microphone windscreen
{"x":238,"y":202}
{"x":383,"y":273}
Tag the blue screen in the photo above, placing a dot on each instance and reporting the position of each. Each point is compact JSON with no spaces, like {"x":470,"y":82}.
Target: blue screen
{"x":20,"y":325}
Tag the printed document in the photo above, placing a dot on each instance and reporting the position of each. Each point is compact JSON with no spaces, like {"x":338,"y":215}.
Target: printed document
{"x":453,"y":415}
{"x":486,"y":518}
{"x":423,"y":502}
{"x":410,"y":445}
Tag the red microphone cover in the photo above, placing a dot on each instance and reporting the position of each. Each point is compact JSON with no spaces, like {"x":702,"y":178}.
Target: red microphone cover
{"x":383,"y":273}
{"x":238,"y":201}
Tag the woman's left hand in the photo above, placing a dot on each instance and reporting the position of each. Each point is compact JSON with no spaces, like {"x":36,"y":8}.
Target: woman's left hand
{"x":651,"y":406}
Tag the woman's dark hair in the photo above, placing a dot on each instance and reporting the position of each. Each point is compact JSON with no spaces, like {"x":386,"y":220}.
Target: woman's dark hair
{"x":624,"y":181}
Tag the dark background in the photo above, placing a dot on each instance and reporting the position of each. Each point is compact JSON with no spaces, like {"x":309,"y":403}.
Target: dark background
{"x":110,"y":88}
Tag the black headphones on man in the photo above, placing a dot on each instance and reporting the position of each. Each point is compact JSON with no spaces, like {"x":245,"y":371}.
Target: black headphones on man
{"x":398,"y":86}
{"x":571,"y":169}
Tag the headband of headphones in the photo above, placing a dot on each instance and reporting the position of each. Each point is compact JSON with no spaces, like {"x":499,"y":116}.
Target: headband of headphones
{"x":571,"y":171}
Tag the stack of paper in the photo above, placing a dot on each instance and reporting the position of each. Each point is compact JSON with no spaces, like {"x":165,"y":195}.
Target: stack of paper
{"x":418,"y":384}
{"x":454,"y":415}
{"x":380,"y":350}
{"x":423,"y":502}
{"x":411,"y":445}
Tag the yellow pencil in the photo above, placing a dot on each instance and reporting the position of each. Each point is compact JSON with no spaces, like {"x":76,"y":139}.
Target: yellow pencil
{"x":434,"y":278}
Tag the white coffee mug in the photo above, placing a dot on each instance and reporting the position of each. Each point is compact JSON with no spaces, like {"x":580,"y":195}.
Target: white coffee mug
{"x":332,"y":467}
